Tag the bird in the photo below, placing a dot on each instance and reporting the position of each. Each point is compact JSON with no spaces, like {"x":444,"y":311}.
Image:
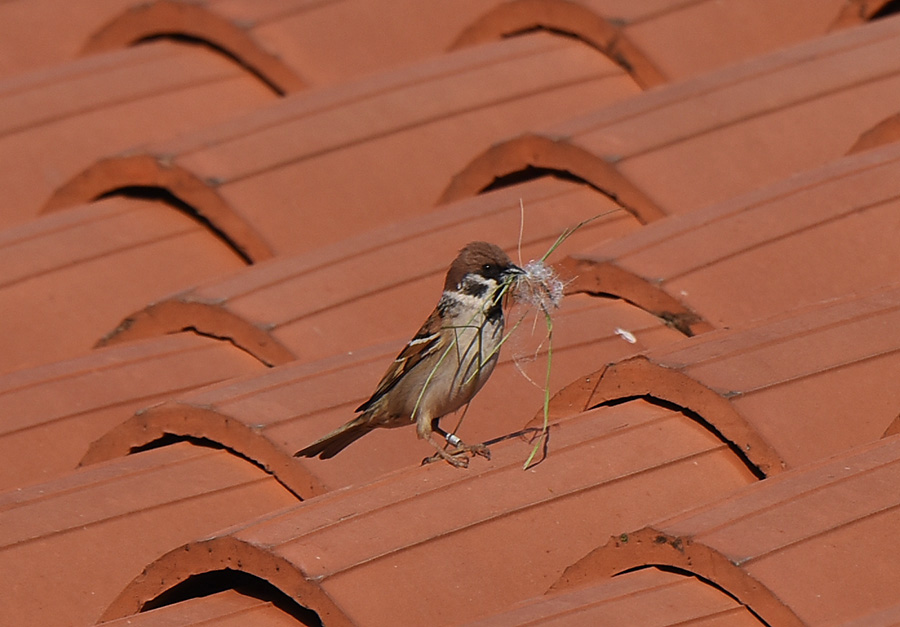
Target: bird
{"x":446,"y":362}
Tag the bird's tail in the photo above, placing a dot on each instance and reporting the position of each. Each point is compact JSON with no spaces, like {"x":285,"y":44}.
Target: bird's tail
{"x":337,"y":440}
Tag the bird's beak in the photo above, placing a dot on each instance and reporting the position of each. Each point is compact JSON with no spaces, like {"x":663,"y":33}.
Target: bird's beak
{"x":513,"y":270}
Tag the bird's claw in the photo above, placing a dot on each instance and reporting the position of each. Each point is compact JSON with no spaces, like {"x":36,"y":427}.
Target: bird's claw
{"x":458,"y":456}
{"x":477,"y":449}
{"x":455,"y":458}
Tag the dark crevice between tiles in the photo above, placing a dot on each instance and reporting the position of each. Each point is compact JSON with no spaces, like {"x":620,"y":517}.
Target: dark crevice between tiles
{"x":169,"y":439}
{"x":688,"y":413}
{"x":682,"y":321}
{"x":531,"y":173}
{"x":230,"y":340}
{"x":559,"y":32}
{"x":889,"y":8}
{"x":206,"y":584}
{"x":164,"y":196}
{"x":190,"y":40}
{"x":687,"y":573}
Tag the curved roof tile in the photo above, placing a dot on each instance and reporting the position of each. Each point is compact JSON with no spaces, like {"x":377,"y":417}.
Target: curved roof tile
{"x":52,"y":413}
{"x":203,"y":23}
{"x":99,"y":261}
{"x":222,"y":608}
{"x":111,"y":520}
{"x":299,"y":307}
{"x":268,"y":418}
{"x":810,"y":547}
{"x":810,"y":231}
{"x":308,"y":554}
{"x":643,"y":597}
{"x":580,"y":20}
{"x":885,"y":132}
{"x":294,"y":42}
{"x":316,"y":151}
{"x":54,"y":123}
{"x":777,"y":390}
{"x":689,"y":144}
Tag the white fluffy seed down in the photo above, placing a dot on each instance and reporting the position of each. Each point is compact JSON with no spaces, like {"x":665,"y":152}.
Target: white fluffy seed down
{"x":539,"y":286}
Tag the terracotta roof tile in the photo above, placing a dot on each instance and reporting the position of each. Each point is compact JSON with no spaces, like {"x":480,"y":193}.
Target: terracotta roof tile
{"x":885,"y":132}
{"x":649,"y":597}
{"x":312,"y":305}
{"x":99,"y":262}
{"x":346,"y":557}
{"x":167,"y":462}
{"x":288,"y":43}
{"x":56,"y":122}
{"x":69,"y":24}
{"x":877,"y":618}
{"x":292,"y":43}
{"x":715,"y":266}
{"x":352,"y":150}
{"x":667,"y":39}
{"x":751,"y":385}
{"x":687,"y":145}
{"x":813,"y":546}
{"x":268,"y":418}
{"x":298,"y":42}
{"x":224,"y":609}
{"x":110,"y":520}
{"x":52,"y":413}
{"x":856,"y":11}
{"x":696,"y":37}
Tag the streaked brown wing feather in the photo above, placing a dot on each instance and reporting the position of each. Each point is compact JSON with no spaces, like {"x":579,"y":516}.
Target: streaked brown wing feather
{"x":425,"y":342}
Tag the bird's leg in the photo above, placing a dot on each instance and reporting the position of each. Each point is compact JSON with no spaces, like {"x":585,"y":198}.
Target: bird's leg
{"x":457,"y":456}
{"x":425,"y":430}
{"x":453,"y":439}
{"x":472,"y":449}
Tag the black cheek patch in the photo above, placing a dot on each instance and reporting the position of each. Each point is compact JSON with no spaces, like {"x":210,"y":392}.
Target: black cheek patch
{"x":473,"y":288}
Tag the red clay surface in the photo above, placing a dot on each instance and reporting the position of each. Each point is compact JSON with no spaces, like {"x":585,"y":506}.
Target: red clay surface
{"x":222,"y":220}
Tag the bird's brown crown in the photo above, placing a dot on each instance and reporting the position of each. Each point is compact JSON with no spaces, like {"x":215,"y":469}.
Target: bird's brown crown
{"x":482,"y":258}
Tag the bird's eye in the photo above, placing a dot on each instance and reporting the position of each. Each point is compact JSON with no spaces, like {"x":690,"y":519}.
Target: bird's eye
{"x":487,"y":268}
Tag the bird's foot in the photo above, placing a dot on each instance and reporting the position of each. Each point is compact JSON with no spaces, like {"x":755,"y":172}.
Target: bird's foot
{"x":475,"y":449}
{"x":455,"y":458}
{"x":459,"y":456}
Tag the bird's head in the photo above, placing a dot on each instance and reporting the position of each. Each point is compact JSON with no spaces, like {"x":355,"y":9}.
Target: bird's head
{"x":479,"y":269}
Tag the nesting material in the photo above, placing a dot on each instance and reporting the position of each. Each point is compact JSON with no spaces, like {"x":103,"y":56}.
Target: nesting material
{"x":539,"y":287}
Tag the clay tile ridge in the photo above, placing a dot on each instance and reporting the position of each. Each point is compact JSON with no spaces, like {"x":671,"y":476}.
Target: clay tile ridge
{"x":213,"y":170}
{"x":885,"y":132}
{"x":682,"y":269}
{"x":148,"y":93}
{"x":577,"y":20}
{"x":224,"y":607}
{"x":643,"y":597}
{"x":556,"y":154}
{"x":71,"y":403}
{"x":813,"y":546}
{"x":857,"y":11}
{"x":387,"y":259}
{"x":159,"y":172}
{"x":658,"y":127}
{"x":82,"y":256}
{"x":248,"y":416}
{"x":344,"y":556}
{"x":205,"y":23}
{"x":269,"y":417}
{"x":773,"y":391}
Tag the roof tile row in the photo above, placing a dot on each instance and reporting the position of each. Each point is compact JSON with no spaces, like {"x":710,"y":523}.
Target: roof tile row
{"x":653,"y":498}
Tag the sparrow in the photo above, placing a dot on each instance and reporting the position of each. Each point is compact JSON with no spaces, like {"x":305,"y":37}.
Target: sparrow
{"x":445,"y":363}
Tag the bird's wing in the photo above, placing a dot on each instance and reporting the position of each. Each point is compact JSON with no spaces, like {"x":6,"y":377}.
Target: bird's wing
{"x":426,"y":341}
